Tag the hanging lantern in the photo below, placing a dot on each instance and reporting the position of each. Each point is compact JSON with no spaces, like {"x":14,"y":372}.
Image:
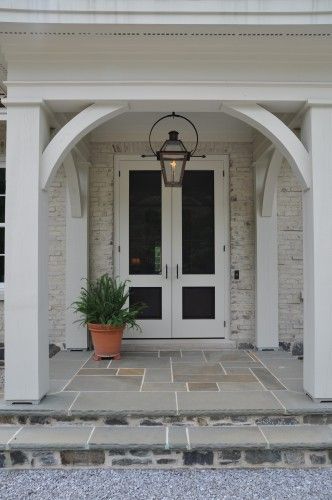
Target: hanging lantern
{"x":173,"y":154}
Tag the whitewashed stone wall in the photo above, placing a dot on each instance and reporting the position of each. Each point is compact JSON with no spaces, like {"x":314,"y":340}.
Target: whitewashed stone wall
{"x":290,"y":256}
{"x":57,"y":257}
{"x":242,"y":233}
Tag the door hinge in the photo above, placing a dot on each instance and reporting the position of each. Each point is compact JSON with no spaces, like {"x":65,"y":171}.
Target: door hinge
{"x":224,"y":324}
{"x":223,"y":173}
{"x":119,"y":248}
{"x":119,"y":173}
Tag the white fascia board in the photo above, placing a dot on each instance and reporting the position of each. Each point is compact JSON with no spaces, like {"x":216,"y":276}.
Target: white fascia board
{"x":152,"y":12}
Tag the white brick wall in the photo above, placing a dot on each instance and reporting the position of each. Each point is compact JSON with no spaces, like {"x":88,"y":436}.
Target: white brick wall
{"x":241,"y":236}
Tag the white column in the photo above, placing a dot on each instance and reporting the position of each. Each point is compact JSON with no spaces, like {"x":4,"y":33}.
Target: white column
{"x":76,"y":259}
{"x":26,"y":271}
{"x":317,"y":255}
{"x":266,"y":269}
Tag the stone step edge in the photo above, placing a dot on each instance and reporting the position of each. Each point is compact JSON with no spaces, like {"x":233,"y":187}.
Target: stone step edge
{"x":177,"y":438}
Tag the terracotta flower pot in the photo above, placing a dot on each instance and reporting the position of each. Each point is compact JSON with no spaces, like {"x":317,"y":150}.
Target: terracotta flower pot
{"x":106,"y":340}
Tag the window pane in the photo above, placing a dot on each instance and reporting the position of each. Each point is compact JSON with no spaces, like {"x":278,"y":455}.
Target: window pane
{"x":2,"y":209}
{"x":198,"y":302}
{"x":145,"y":222}
{"x":151,"y":297}
{"x":2,"y":180}
{"x":198,"y":222}
{"x":2,"y":240}
{"x":2,"y":269}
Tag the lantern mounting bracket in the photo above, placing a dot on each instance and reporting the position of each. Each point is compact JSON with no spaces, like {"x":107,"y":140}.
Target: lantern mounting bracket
{"x":191,"y":154}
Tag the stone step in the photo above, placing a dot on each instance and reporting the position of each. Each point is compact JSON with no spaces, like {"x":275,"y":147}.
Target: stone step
{"x":165,"y":446}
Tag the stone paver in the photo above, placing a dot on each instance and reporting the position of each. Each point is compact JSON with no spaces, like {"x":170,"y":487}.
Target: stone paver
{"x":197,"y":369}
{"x":104,"y":383}
{"x":51,"y":437}
{"x":297,"y":403}
{"x":122,"y":403}
{"x":139,"y":362}
{"x":241,"y":386}
{"x":201,"y":386}
{"x":131,"y":371}
{"x":177,"y":438}
{"x":223,"y":437}
{"x":128,"y":437}
{"x":267,"y":379}
{"x":52,"y":404}
{"x":6,"y":433}
{"x":98,"y":371}
{"x":170,"y":354}
{"x":223,"y":402}
{"x":314,"y":436}
{"x":158,"y":375}
{"x":164,"y":386}
{"x":232,"y":356}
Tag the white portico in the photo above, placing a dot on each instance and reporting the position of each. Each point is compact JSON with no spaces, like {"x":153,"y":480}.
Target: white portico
{"x":83,"y":69}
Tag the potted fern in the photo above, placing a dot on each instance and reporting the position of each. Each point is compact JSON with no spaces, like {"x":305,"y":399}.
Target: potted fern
{"x":102,"y":305}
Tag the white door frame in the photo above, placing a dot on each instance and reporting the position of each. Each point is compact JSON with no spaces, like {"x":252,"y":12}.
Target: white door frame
{"x":118,"y":158}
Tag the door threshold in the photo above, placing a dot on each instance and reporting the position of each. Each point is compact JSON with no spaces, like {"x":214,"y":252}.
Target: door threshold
{"x":171,"y":344}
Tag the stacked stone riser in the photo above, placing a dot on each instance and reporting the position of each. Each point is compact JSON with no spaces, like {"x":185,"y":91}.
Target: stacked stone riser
{"x":136,"y":421}
{"x":166,"y":459}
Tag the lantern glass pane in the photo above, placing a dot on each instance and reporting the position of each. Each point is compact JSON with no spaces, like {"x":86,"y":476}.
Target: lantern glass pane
{"x":173,"y":169}
{"x":173,"y":146}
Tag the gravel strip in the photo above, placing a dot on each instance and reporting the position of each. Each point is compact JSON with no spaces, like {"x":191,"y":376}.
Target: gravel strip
{"x":260,"y":484}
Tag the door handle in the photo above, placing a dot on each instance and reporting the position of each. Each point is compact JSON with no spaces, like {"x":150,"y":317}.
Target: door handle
{"x":166,"y":271}
{"x":177,"y":271}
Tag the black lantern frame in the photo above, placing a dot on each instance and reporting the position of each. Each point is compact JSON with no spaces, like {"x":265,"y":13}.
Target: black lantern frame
{"x":173,"y":154}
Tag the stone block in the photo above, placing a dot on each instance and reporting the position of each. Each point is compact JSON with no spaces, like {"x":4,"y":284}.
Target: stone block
{"x":257,"y":457}
{"x":297,"y":349}
{"x":166,"y":461}
{"x":116,"y":421}
{"x":317,"y":458}
{"x":18,"y":457}
{"x":294,"y":457}
{"x":82,"y":457}
{"x":279,"y":420}
{"x":46,"y":458}
{"x":229,"y":456}
{"x":127,"y":462}
{"x":198,"y":457}
{"x":139,"y":453}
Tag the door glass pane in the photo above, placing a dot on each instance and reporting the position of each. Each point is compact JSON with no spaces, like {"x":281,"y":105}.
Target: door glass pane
{"x":198,"y":302}
{"x":2,"y":208}
{"x":2,"y":268}
{"x":2,"y":240}
{"x":198,"y":222}
{"x":2,"y":181}
{"x":145,"y":222}
{"x":150,"y":297}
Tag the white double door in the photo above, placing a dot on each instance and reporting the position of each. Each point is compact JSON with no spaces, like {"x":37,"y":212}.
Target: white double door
{"x":170,"y":245}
